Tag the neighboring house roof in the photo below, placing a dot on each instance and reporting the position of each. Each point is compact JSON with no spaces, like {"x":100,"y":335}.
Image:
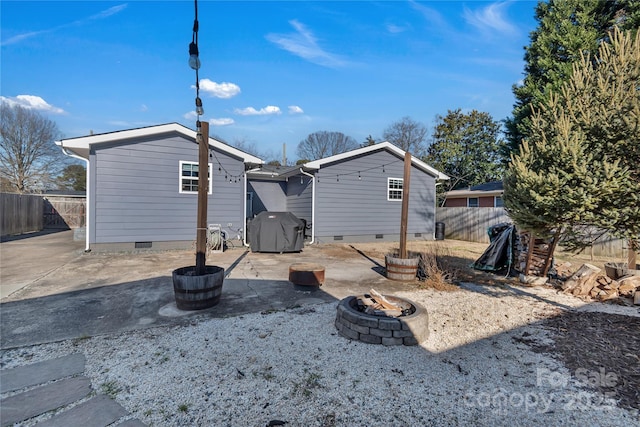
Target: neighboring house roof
{"x":494,"y":188}
{"x":317,"y":164}
{"x":81,"y":146}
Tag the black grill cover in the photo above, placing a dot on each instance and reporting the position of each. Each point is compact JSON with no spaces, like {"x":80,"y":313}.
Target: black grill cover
{"x":276,"y":232}
{"x":499,"y":255}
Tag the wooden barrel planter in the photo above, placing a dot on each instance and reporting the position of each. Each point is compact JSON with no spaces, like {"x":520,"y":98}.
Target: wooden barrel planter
{"x":197,"y":292}
{"x":401,"y":269}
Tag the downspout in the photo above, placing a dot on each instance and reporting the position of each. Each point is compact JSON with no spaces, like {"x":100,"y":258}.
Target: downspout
{"x":313,"y":205}
{"x":244,"y":229}
{"x":88,"y":204}
{"x":435,"y":206}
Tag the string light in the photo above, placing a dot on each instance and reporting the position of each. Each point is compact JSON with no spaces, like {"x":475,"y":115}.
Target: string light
{"x":194,"y":60}
{"x":360,"y":172}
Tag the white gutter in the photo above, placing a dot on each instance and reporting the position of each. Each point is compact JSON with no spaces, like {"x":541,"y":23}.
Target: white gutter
{"x":313,"y":205}
{"x":88,"y":204}
{"x":244,"y":209}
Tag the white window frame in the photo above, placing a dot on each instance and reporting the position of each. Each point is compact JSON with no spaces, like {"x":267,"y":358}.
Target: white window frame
{"x":394,"y":189}
{"x":180,"y":177}
{"x":469,"y":202}
{"x":495,"y":202}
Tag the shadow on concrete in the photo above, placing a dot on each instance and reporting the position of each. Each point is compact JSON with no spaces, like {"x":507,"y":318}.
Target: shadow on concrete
{"x":136,"y":305}
{"x":378,"y":268}
{"x":46,"y":231}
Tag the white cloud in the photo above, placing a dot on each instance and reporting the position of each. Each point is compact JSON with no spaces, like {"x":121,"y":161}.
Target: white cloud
{"x":396,"y":29}
{"x":191,"y":115}
{"x":100,"y":15}
{"x":294,"y":109}
{"x":107,"y":12}
{"x":250,"y":111}
{"x":432,"y":16}
{"x":32,"y":102}
{"x":491,"y":17}
{"x":144,"y":108}
{"x":304,"y":44}
{"x":222,"y":90}
{"x":221,"y":122}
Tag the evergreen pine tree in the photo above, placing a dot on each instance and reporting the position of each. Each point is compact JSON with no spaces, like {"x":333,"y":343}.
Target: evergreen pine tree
{"x":566,"y":30}
{"x":579,"y":169}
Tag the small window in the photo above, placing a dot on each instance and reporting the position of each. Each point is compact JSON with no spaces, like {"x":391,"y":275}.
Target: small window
{"x":394,"y":188}
{"x":472,"y":202}
{"x":498,"y":202}
{"x":189,"y":177}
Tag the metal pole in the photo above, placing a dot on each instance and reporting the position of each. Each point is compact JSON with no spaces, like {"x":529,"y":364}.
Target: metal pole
{"x":202,"y":138}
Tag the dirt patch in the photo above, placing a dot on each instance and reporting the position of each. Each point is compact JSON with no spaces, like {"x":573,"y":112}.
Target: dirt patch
{"x":600,"y":349}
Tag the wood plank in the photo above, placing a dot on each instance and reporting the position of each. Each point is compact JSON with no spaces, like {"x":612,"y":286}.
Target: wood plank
{"x":385,"y":303}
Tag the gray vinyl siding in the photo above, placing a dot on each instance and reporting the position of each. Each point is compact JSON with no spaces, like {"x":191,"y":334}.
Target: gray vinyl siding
{"x":299,"y":197}
{"x":358,"y":209}
{"x":136,"y":187}
{"x":268,"y":196}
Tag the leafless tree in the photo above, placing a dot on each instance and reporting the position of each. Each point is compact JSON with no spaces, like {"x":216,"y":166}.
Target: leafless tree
{"x":324,"y":144}
{"x":408,"y":135}
{"x":29,"y":158}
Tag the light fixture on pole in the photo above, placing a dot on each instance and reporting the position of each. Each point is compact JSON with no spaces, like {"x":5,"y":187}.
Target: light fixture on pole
{"x":199,"y":109}
{"x":194,"y":58}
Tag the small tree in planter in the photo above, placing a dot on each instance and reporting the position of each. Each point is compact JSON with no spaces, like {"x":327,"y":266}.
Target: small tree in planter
{"x":400,"y":266}
{"x":200,"y":286}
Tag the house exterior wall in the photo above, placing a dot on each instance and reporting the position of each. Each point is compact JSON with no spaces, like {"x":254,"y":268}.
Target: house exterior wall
{"x":268,"y":195}
{"x":462,"y":202}
{"x":136,"y":193}
{"x":353,"y":209}
{"x":456,"y":203}
{"x":299,"y":193}
{"x":486,"y":202}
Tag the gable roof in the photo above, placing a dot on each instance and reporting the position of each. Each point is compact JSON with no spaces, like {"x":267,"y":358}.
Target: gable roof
{"x":273,"y":172}
{"x":81,"y":146}
{"x":317,"y":164}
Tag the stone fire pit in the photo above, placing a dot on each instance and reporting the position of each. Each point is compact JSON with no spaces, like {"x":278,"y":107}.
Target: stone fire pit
{"x":410,"y":328}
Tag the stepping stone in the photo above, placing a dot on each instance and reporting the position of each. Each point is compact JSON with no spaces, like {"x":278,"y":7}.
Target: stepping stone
{"x":99,"y":411}
{"x":41,"y":372}
{"x":42,"y":399}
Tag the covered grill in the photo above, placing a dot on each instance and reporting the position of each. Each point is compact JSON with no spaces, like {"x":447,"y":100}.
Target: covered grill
{"x":276,"y":232}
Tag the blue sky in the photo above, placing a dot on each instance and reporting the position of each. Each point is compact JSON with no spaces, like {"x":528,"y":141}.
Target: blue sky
{"x":272,"y":72}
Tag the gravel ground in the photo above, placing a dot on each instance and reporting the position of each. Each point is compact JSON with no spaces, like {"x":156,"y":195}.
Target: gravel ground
{"x":476,"y":368}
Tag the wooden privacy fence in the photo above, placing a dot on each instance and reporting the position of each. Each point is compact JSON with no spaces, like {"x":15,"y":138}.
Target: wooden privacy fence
{"x":470,"y":225}
{"x":21,"y":213}
{"x":64,"y":211}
